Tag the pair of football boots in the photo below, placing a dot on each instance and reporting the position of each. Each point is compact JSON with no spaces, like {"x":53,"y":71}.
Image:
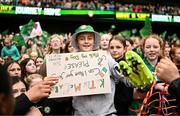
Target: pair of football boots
{"x":135,"y":70}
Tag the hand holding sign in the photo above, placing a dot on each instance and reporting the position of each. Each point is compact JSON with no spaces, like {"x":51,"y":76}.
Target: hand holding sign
{"x":81,"y":73}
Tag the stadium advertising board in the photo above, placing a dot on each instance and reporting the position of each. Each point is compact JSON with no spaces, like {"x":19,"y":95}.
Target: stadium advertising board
{"x":132,"y":16}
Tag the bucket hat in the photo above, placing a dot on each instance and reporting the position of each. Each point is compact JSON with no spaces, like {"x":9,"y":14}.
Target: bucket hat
{"x":85,"y":28}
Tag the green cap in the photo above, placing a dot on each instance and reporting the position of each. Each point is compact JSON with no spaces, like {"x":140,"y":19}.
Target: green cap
{"x":86,"y":28}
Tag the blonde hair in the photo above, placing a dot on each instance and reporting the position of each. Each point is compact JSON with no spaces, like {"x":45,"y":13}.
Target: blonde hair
{"x":49,"y":48}
{"x":31,"y":77}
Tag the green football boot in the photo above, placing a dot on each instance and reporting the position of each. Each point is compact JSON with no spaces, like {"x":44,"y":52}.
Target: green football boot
{"x":129,"y":74}
{"x":139,"y":67}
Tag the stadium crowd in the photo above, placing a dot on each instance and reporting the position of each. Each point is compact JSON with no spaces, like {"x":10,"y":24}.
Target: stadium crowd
{"x":25,"y":66}
{"x":156,"y":9}
{"x":98,"y":5}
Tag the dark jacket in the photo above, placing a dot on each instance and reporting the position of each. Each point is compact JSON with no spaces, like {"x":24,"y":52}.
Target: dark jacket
{"x":62,"y":106}
{"x":22,"y":105}
{"x":174,"y":89}
{"x":123,"y":97}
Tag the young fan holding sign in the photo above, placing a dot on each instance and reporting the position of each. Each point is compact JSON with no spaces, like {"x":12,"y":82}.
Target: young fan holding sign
{"x":85,"y":39}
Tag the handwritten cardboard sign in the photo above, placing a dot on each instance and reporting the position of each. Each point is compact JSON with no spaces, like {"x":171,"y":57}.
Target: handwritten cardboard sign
{"x":82,"y":73}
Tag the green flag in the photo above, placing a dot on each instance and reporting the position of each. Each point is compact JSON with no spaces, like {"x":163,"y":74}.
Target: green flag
{"x":164,"y":35}
{"x":147,"y":29}
{"x":18,"y":40}
{"x":173,"y":37}
{"x":126,"y":34}
{"x":26,"y":29}
{"x":45,"y":36}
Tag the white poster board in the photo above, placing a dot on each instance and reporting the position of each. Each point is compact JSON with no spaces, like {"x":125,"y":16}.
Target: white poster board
{"x":82,"y":73}
{"x":37,"y":30}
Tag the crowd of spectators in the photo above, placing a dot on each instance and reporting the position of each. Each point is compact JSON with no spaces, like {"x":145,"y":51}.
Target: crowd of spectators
{"x":31,"y":86}
{"x":157,"y":9}
{"x":98,"y":5}
{"x":65,"y":4}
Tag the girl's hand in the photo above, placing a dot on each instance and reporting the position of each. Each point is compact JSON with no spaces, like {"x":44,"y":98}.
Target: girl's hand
{"x":52,"y":80}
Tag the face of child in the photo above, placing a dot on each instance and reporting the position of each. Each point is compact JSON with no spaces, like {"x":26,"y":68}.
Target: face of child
{"x":128,"y":46}
{"x":137,"y":42}
{"x":116,"y":49}
{"x":30,"y":42}
{"x":39,"y":62}
{"x":55,"y":43}
{"x":18,"y":89}
{"x":14,"y":70}
{"x":85,"y":41}
{"x":152,"y":49}
{"x":1,"y":61}
{"x":7,"y":42}
{"x":70,"y":48}
{"x":177,"y":55}
{"x":31,"y":67}
{"x":166,"y":51}
{"x":104,"y":43}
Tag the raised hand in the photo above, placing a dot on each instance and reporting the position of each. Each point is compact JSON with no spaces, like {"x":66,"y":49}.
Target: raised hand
{"x":167,"y":71}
